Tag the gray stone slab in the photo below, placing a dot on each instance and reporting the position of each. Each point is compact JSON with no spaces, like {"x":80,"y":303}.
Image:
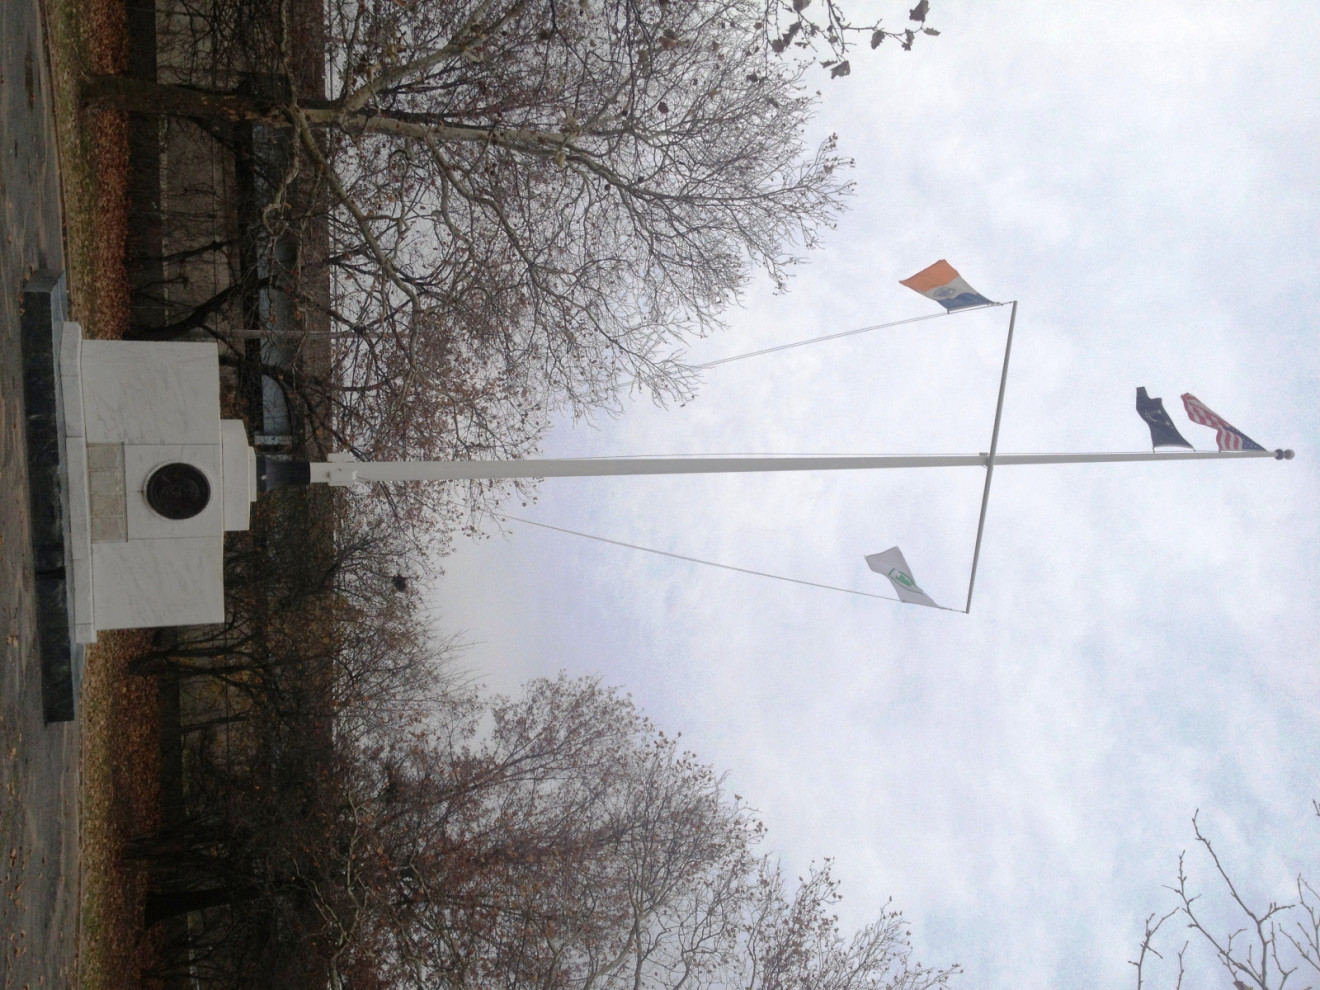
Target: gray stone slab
{"x":42,"y":330}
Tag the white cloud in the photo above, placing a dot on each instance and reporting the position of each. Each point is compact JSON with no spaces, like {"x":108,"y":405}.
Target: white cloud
{"x":1143,"y":641}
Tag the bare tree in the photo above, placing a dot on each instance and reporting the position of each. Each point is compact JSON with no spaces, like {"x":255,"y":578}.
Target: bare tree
{"x":569,"y":846}
{"x":534,"y":206}
{"x":531,"y":207}
{"x":557,"y":841}
{"x":1263,"y":948}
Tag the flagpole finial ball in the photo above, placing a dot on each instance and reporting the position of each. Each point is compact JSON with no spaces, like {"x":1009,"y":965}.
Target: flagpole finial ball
{"x":1283,"y":455}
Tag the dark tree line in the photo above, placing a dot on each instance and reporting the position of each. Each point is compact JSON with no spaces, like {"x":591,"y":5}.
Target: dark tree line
{"x":555,"y":840}
{"x":522,"y":208}
{"x":349,"y":811}
{"x":451,"y":220}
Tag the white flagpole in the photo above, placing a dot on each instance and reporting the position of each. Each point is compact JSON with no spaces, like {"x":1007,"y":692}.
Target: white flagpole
{"x":349,"y":472}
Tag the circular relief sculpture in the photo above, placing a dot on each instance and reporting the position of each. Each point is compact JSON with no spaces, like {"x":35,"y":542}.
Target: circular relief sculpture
{"x":178,"y":491}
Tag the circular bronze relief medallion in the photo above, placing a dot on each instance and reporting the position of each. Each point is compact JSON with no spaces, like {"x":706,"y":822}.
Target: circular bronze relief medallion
{"x":178,"y":491}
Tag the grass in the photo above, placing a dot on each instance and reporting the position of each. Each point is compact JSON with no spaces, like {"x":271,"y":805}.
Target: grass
{"x":119,"y":718}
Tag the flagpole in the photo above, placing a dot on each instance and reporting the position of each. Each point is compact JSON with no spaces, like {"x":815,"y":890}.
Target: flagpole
{"x":275,"y":473}
{"x":990,"y":458}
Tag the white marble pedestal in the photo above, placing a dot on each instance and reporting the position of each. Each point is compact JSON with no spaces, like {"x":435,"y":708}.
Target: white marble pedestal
{"x":128,"y":409}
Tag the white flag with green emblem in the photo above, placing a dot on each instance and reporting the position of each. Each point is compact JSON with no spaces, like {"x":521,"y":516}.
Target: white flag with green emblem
{"x":891,"y":564}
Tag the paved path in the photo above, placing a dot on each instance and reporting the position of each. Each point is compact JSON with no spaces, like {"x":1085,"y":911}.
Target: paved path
{"x":38,"y":763}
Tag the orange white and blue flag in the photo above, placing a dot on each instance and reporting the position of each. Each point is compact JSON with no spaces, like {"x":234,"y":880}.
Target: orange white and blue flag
{"x":942,"y":283}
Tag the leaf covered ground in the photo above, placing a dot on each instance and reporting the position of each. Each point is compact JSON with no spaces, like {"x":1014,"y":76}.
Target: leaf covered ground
{"x":119,"y":722}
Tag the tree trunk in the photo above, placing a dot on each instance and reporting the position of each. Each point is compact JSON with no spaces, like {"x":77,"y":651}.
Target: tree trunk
{"x":196,"y":317}
{"x":144,"y":96}
{"x":161,"y":905}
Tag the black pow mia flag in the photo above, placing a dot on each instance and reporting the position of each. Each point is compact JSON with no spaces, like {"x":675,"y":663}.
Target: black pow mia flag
{"x":1162,"y":431}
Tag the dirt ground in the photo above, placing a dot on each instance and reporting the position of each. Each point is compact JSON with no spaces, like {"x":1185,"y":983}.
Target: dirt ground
{"x":38,"y":763}
{"x":70,"y":793}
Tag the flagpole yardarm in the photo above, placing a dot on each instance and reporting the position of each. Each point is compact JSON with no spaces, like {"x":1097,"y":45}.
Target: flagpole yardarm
{"x":990,"y":458}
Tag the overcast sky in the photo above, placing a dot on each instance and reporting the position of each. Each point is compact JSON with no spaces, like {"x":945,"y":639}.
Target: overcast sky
{"x":1143,"y":642}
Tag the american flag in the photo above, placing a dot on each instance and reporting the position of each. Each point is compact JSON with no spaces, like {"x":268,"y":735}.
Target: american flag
{"x":1227,"y":436}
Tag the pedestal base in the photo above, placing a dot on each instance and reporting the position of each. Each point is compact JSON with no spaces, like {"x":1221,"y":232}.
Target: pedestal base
{"x":48,"y":488}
